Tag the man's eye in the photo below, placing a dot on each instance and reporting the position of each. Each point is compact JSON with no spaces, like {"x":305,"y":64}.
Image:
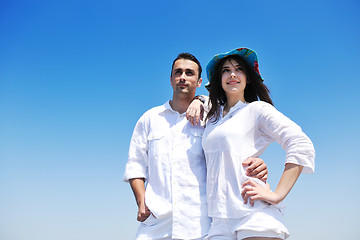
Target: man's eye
{"x":190,"y":73}
{"x":225,"y":70}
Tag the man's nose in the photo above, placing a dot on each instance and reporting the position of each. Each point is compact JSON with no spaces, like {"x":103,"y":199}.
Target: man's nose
{"x":182,"y":76}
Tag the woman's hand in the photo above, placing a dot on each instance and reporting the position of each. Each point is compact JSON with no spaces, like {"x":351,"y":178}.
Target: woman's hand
{"x":195,"y":112}
{"x":253,"y":191}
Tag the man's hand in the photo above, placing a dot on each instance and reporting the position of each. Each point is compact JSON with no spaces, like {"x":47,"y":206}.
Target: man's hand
{"x":256,"y":167}
{"x":143,"y":213}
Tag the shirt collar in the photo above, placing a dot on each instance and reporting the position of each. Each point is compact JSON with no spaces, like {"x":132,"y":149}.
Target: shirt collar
{"x":167,"y":107}
{"x":238,"y":105}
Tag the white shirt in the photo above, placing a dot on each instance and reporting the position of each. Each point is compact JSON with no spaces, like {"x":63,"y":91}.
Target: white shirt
{"x":166,"y":150}
{"x":244,"y":132}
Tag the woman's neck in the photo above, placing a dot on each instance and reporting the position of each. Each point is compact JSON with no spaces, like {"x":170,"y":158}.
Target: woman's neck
{"x":231,"y":101}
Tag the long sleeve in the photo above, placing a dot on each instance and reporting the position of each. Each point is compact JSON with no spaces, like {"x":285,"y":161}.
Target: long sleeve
{"x":137,"y":165}
{"x":299,"y":148}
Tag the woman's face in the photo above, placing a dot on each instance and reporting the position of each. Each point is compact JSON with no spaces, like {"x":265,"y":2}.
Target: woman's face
{"x":233,"y":79}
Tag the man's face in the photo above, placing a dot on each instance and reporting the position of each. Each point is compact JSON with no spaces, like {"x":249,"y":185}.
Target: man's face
{"x":185,"y":76}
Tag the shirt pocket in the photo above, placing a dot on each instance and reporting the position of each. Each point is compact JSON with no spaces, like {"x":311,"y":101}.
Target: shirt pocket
{"x":158,"y":144}
{"x":195,"y":140}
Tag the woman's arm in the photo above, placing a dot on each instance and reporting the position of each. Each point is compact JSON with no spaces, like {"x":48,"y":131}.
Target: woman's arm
{"x":253,"y":191}
{"x":195,"y":111}
{"x":300,"y":154}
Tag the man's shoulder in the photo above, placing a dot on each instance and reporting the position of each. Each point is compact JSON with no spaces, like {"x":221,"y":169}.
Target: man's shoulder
{"x":153,"y":112}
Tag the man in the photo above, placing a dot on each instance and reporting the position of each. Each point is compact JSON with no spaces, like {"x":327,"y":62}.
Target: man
{"x":166,"y":153}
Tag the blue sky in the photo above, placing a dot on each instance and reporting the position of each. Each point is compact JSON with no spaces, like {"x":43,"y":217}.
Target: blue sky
{"x":76,"y":75}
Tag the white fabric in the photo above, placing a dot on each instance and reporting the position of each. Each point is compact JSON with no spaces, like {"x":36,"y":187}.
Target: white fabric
{"x":245,"y":132}
{"x":156,"y":229}
{"x":166,"y":150}
{"x":268,"y":222}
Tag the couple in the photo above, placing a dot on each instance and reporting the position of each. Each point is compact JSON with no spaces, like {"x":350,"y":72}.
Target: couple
{"x":193,"y":181}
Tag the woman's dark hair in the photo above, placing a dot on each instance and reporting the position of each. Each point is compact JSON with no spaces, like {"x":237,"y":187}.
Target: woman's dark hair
{"x":255,"y":88}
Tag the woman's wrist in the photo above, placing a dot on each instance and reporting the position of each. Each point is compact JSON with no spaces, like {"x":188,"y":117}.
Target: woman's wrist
{"x":201,"y":98}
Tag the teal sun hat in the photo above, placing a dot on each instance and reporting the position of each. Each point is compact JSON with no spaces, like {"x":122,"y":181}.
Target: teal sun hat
{"x":247,"y":54}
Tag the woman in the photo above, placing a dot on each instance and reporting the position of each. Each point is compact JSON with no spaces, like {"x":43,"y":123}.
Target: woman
{"x":241,"y":123}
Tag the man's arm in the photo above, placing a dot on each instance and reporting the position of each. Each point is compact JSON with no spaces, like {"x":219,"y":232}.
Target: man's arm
{"x":138,"y":188}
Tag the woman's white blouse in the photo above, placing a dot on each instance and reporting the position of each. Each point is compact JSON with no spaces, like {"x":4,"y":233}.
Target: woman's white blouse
{"x":245,"y":132}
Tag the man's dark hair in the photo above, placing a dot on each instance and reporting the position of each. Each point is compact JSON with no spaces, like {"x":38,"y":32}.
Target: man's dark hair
{"x":187,"y":56}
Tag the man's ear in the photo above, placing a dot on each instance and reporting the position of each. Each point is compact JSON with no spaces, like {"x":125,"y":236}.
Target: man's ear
{"x":199,"y":82}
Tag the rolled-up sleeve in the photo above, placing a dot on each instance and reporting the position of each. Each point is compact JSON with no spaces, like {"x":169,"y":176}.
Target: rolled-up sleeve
{"x":299,"y":148}
{"x":137,"y":165}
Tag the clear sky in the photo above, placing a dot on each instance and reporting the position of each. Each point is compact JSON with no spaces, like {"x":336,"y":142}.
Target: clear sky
{"x":76,"y":75}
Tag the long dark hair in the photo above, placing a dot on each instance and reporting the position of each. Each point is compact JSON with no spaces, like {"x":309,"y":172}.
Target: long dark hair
{"x":255,"y":88}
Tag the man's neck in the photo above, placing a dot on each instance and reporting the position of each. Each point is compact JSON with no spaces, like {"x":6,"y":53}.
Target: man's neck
{"x":181,"y":103}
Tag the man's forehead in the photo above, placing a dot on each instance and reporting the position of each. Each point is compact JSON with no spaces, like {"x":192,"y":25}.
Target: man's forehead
{"x":185,"y":64}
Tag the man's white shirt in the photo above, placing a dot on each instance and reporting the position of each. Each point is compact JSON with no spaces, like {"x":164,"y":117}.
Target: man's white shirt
{"x":166,"y":150}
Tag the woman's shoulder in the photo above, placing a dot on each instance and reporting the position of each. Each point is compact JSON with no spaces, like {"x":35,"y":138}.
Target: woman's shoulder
{"x":259,"y":105}
{"x":263,"y":109}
